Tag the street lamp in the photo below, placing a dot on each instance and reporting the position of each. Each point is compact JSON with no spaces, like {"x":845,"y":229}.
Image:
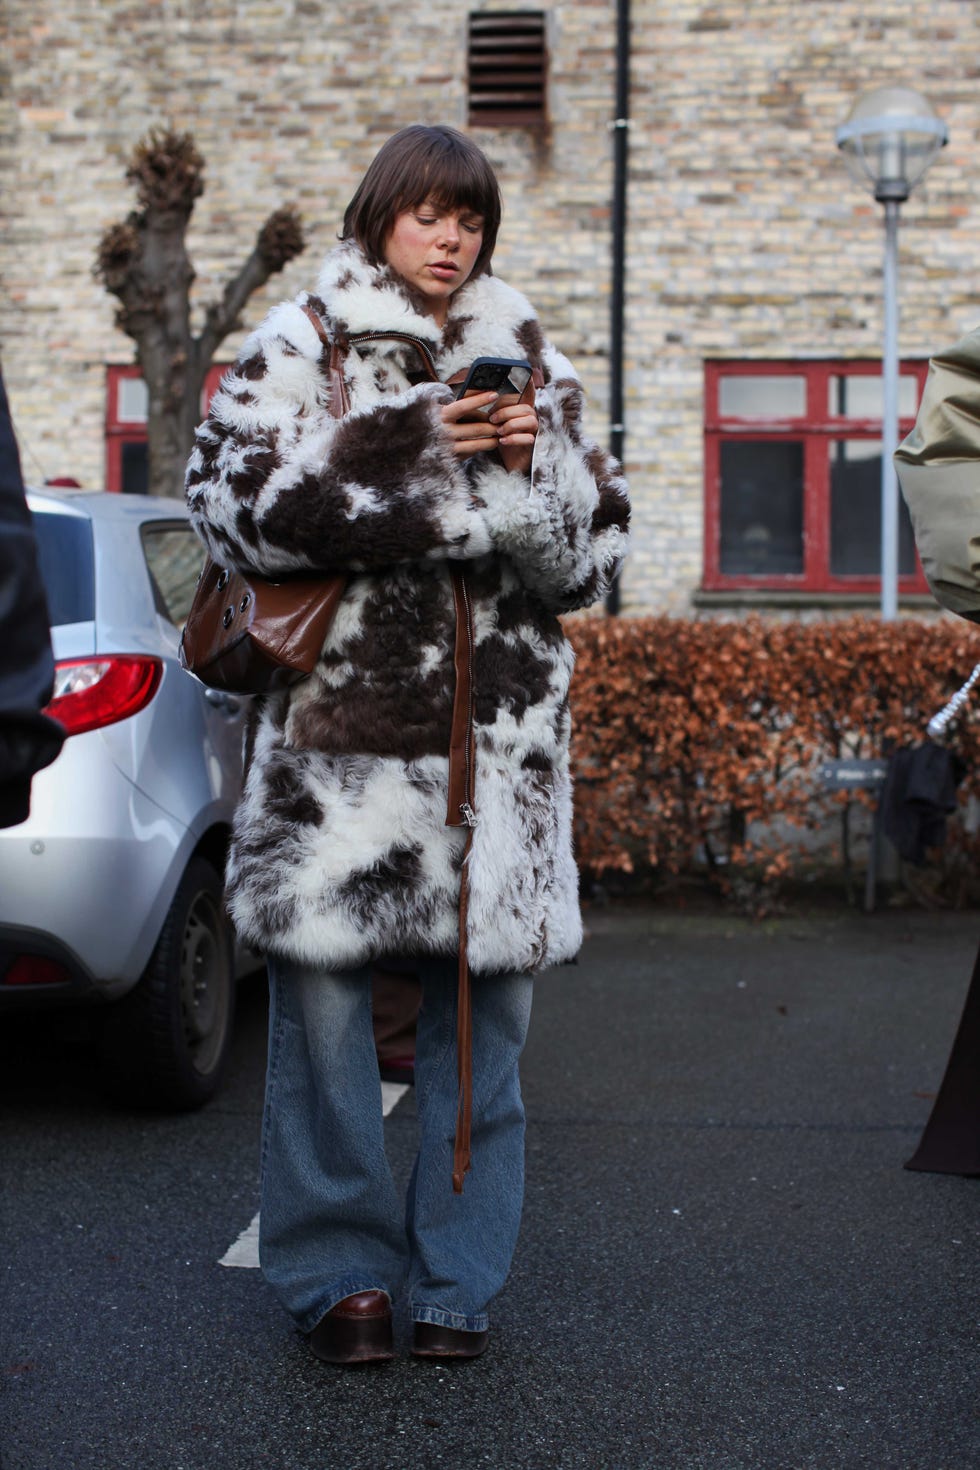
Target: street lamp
{"x":888,"y":142}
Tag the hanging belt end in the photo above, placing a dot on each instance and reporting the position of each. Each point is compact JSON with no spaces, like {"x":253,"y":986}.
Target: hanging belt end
{"x":461,"y":1166}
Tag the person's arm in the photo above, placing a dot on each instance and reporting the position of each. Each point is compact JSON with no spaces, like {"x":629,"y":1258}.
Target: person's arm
{"x":29,"y":740}
{"x":938,"y":468}
{"x":276,"y":484}
{"x":565,"y":525}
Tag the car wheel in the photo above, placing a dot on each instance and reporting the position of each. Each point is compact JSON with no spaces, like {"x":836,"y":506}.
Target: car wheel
{"x":166,"y":1043}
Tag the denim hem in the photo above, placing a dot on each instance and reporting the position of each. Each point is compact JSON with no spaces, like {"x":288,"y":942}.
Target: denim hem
{"x":439,"y":1318}
{"x":350,"y":1286}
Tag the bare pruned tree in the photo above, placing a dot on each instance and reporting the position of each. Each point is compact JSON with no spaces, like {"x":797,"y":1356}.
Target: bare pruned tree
{"x":144,"y":262}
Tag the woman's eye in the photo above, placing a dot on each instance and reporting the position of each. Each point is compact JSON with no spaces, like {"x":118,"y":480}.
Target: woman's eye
{"x":425,"y":219}
{"x":473,"y":229}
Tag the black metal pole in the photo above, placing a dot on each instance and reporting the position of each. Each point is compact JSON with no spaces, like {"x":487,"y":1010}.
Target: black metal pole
{"x":620,"y":131}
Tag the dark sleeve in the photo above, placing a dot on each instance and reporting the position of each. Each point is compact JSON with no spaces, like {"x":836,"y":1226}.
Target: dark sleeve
{"x":29,"y":740}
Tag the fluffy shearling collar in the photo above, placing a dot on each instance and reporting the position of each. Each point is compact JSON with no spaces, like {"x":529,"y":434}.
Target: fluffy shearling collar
{"x":486,"y":317}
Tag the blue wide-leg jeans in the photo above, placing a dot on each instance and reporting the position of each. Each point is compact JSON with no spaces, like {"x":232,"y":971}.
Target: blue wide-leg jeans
{"x":331,"y":1222}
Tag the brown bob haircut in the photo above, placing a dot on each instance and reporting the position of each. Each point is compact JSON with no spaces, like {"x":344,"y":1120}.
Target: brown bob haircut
{"x":416,"y":164}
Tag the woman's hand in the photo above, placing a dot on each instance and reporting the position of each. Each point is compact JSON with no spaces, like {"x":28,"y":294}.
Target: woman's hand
{"x":517,"y":426}
{"x":510,"y":426}
{"x":476,"y":434}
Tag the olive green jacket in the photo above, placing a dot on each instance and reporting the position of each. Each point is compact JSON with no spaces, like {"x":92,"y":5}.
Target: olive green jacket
{"x":939,"y":472}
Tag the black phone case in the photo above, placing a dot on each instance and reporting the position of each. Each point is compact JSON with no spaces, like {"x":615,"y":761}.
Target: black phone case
{"x":492,"y":374}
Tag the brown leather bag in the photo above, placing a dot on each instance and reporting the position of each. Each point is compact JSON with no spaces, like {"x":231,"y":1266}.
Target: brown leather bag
{"x":247,"y":635}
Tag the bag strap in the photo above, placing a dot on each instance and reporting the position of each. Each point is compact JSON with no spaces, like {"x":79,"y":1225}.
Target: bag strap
{"x":339,"y":400}
{"x":461,"y":813}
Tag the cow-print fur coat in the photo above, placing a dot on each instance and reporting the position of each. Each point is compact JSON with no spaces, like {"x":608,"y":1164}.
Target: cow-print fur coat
{"x":340,"y":853}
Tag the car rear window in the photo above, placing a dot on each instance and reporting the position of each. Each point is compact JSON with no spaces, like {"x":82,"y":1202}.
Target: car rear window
{"x":174,"y":557}
{"x":67,"y":560}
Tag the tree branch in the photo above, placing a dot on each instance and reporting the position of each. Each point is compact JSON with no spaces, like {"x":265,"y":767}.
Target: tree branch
{"x":167,"y":171}
{"x":143,"y":262}
{"x":279,"y":241}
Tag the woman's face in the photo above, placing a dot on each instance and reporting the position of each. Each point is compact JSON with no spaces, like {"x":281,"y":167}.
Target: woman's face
{"x":435,"y":249}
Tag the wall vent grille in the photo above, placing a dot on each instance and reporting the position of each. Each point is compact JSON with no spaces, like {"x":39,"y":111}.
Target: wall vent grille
{"x":507,"y":58}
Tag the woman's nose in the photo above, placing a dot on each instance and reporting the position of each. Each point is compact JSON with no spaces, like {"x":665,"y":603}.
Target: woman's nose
{"x":450,"y":235}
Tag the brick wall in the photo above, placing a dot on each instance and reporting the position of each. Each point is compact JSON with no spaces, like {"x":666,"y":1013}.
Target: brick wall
{"x":746,"y":236}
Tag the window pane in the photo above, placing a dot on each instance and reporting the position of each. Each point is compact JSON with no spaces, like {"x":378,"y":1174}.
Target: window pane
{"x":174,"y":556}
{"x":135,"y":468}
{"x":855,"y":512}
{"x":133,"y":401}
{"x":761,"y":507}
{"x":860,"y":396}
{"x":66,"y":558}
{"x":762,"y":396}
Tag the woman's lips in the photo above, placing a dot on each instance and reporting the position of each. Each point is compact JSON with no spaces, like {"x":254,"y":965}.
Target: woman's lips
{"x":444,"y":271}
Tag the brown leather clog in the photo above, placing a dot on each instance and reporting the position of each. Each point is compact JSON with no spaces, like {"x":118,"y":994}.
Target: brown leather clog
{"x":356,"y":1330}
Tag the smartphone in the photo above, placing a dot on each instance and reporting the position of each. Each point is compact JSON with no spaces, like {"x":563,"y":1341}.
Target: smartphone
{"x":496,"y":375}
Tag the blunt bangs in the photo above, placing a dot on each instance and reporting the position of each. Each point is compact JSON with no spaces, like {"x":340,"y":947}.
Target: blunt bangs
{"x":416,"y":164}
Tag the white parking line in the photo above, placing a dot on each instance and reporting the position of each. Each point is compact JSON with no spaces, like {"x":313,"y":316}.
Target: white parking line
{"x":245,"y":1250}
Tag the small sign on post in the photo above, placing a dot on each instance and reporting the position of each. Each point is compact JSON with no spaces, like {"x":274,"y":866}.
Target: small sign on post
{"x":854,"y":774}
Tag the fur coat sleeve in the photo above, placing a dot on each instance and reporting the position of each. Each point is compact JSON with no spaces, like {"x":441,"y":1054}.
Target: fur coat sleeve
{"x":275,"y":484}
{"x":567,"y":530}
{"x":938,"y":471}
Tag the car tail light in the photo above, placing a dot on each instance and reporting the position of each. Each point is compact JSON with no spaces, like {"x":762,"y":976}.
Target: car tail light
{"x":35,"y":969}
{"x":92,"y":692}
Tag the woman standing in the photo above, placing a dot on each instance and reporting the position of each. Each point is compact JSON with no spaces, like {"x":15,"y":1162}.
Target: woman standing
{"x":443,"y":683}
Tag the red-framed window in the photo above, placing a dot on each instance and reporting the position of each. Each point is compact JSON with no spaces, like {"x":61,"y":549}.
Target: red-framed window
{"x":792,"y":475}
{"x":126,"y":466}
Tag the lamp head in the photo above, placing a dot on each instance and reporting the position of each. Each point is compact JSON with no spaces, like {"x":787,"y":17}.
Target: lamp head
{"x":889,"y":140}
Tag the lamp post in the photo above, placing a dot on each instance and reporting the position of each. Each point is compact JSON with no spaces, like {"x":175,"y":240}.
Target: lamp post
{"x":888,"y":142}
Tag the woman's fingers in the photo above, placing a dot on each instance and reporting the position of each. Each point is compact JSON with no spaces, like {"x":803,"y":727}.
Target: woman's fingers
{"x":463,"y":448}
{"x":510,"y":426}
{"x":460,"y":407}
{"x":516,"y":423}
{"x":470,"y":431}
{"x":471,"y":438}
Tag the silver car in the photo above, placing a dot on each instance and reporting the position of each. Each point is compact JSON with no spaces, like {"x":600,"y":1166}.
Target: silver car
{"x":111,"y":891}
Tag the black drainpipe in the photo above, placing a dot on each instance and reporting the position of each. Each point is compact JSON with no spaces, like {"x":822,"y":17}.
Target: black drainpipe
{"x":620,"y":130}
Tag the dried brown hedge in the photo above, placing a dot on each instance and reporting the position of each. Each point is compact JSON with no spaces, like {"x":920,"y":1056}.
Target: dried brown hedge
{"x":699,"y":740}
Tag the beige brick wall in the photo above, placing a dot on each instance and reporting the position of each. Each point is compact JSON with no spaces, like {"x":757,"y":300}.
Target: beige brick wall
{"x":746,"y":236}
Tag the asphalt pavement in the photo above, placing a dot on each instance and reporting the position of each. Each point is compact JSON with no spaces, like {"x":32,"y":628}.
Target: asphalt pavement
{"x":723,"y":1263}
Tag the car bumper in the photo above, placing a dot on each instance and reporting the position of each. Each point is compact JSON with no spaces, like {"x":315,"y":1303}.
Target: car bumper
{"x":38,"y":970}
{"x":90,"y":875}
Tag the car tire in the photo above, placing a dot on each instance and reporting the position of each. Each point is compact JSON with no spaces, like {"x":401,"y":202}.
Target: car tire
{"x":166,"y":1043}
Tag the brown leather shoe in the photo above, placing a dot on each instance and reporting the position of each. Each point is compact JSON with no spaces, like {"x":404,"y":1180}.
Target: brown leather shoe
{"x":356,"y":1330}
{"x":431,"y":1341}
